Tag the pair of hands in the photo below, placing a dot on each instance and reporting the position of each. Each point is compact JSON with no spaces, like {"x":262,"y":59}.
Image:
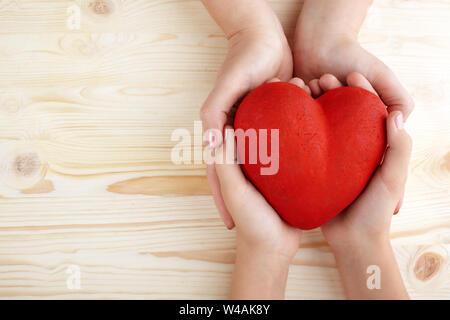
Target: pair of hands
{"x":257,"y":55}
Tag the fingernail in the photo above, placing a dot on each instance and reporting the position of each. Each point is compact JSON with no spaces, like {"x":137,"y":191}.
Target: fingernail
{"x":399,"y":204}
{"x":211,"y":139}
{"x":399,"y":122}
{"x":228,"y":134}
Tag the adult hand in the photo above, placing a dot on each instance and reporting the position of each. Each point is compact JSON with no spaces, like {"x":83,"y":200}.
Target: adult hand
{"x":255,"y":56}
{"x":326,"y":42}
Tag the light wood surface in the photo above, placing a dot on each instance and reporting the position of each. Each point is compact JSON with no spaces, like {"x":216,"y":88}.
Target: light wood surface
{"x":86,"y":179}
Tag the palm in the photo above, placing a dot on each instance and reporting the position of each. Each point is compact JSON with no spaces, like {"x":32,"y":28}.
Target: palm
{"x":259,"y":224}
{"x":367,"y":214}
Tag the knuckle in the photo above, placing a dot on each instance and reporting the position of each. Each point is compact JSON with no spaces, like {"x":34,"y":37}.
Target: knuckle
{"x":408,"y":143}
{"x":205,"y":112}
{"x":410,"y":104}
{"x":394,"y":183}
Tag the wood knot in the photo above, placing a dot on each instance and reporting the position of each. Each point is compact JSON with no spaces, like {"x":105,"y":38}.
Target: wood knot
{"x":427,"y":266}
{"x":27,"y":164}
{"x":21,"y":165}
{"x":10,"y":102}
{"x":445,"y":164}
{"x":102,"y":7}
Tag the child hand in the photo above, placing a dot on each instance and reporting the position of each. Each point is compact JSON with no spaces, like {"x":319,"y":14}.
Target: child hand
{"x":370,"y":215}
{"x":359,"y":236}
{"x":266,"y":244}
{"x":258,"y":227}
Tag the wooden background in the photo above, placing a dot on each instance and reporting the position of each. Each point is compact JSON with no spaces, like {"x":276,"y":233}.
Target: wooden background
{"x":86,"y":117}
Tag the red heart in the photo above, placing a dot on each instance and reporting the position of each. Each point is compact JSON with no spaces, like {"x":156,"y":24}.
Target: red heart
{"x":328,"y":148}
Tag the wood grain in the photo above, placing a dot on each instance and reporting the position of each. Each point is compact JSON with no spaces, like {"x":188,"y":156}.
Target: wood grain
{"x":86,"y":178}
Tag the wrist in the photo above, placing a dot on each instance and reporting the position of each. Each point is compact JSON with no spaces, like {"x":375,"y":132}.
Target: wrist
{"x":236,"y":16}
{"x":369,"y":271}
{"x":358,"y":244}
{"x":257,"y":22}
{"x":326,"y":25}
{"x":320,"y":43}
{"x":329,"y":20}
{"x":268,"y":258}
{"x":258,"y":274}
{"x":258,"y":33}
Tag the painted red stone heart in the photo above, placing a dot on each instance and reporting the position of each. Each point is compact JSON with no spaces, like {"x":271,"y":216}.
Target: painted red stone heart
{"x":328,"y":148}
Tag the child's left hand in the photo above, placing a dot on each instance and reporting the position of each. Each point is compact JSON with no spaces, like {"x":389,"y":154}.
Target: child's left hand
{"x":266,"y":244}
{"x":259,"y":228}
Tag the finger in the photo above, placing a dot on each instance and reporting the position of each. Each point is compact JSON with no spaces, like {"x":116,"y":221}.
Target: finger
{"x":214,"y":116}
{"x":214,"y":185}
{"x":217,"y":196}
{"x":329,"y":82}
{"x":300,"y":83}
{"x":391,"y":91}
{"x":233,"y":185}
{"x":394,"y":169}
{"x":307,"y":89}
{"x":228,"y":171}
{"x":216,"y":107}
{"x":315,"y":88}
{"x":274,"y":80}
{"x":399,"y":204}
{"x":356,"y":79}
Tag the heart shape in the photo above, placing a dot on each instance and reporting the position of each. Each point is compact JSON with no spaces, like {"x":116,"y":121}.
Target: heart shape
{"x":328,"y":148}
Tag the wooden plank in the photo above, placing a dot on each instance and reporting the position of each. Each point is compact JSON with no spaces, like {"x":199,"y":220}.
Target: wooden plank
{"x":86,"y":177}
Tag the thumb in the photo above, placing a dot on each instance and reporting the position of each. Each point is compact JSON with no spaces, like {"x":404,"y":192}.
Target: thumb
{"x":394,"y":169}
{"x":214,"y":112}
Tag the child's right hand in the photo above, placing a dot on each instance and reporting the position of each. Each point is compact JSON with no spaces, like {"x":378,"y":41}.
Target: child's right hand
{"x":368,"y":218}
{"x":359,"y":236}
